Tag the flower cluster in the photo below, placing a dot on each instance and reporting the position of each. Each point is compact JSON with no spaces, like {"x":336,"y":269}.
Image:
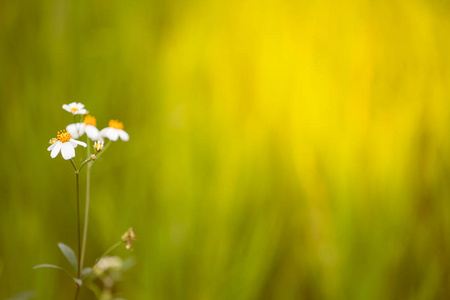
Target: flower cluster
{"x":66,"y":140}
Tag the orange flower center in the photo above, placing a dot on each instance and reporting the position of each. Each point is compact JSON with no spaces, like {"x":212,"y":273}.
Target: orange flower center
{"x":74,"y":109}
{"x":63,"y":136}
{"x":115,"y":124}
{"x":90,"y":120}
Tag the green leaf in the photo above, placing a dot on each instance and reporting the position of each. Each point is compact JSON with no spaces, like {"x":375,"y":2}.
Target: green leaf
{"x":69,"y":254}
{"x":49,"y":266}
{"x":77,"y":281}
{"x":23,"y":296}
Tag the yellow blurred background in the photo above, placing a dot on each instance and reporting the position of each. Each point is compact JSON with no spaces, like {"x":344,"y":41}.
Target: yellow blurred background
{"x":278,"y":149}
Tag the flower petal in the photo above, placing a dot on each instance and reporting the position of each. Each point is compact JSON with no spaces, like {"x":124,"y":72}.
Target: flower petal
{"x":78,"y":142}
{"x":67,"y":151}
{"x":123,"y":135}
{"x":92,"y":132}
{"x":110,"y":133}
{"x":56,"y":149}
{"x":76,"y":130}
{"x":66,"y":107}
{"x":51,"y":147}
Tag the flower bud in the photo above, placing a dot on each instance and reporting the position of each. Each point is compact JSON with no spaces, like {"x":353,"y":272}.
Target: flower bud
{"x":98,"y":146}
{"x":129,"y":237}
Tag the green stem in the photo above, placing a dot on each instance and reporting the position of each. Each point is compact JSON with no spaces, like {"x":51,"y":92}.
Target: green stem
{"x":84,"y":162}
{"x":76,"y":294}
{"x":110,"y":249}
{"x":86,"y":213}
{"x":74,"y":167}
{"x":77,"y":173}
{"x":78,"y":223}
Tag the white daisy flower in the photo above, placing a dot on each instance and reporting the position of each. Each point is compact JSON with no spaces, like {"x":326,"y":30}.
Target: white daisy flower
{"x":114,"y":131}
{"x":75,"y":108}
{"x":65,"y":144}
{"x":91,"y":131}
{"x":78,"y":129}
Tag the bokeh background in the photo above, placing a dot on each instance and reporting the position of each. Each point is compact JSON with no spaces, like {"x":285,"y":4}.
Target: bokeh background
{"x":279,"y":149}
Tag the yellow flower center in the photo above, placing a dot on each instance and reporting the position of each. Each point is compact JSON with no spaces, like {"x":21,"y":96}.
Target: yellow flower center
{"x":53,"y":140}
{"x":115,"y":124}
{"x":90,"y":120}
{"x":63,"y":136}
{"x":98,"y":146}
{"x":74,"y":109}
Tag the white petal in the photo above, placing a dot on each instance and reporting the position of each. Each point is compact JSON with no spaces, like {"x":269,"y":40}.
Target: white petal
{"x":109,"y":133}
{"x":66,"y":107}
{"x":67,"y":151}
{"x":76,"y":130}
{"x":56,"y":149}
{"x":51,"y":147}
{"x":73,"y":143}
{"x":78,"y":142}
{"x":123,"y":135}
{"x":81,"y":112}
{"x":92,"y":132}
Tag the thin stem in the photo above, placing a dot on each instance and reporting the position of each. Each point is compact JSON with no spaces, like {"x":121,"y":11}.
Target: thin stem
{"x":74,"y":167}
{"x":84,"y":162}
{"x":78,"y":223}
{"x":110,"y":249}
{"x":86,"y":212}
{"x":77,"y":173}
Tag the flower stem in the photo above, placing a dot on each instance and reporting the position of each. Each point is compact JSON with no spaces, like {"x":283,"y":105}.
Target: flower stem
{"x":77,"y":173}
{"x":78,"y":223}
{"x":86,"y":212}
{"x":76,"y":294}
{"x":74,"y":167}
{"x":110,"y":249}
{"x":84,"y":162}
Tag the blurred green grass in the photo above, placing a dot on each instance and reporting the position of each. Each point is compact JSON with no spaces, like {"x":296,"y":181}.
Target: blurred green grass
{"x":279,"y":149}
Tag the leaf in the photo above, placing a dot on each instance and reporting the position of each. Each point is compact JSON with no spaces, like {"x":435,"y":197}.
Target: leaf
{"x":86,"y":272}
{"x":69,"y":254}
{"x":49,"y":266}
{"x":77,"y":281}
{"x":24,"y":296}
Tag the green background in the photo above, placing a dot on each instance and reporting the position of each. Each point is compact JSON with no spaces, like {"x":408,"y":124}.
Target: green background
{"x":278,"y":149}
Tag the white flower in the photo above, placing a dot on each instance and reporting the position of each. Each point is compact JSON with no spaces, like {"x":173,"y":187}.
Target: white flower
{"x":108,"y":264}
{"x":78,"y":129}
{"x":64,"y":143}
{"x":75,"y":108}
{"x":114,"y":131}
{"x":91,"y":131}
